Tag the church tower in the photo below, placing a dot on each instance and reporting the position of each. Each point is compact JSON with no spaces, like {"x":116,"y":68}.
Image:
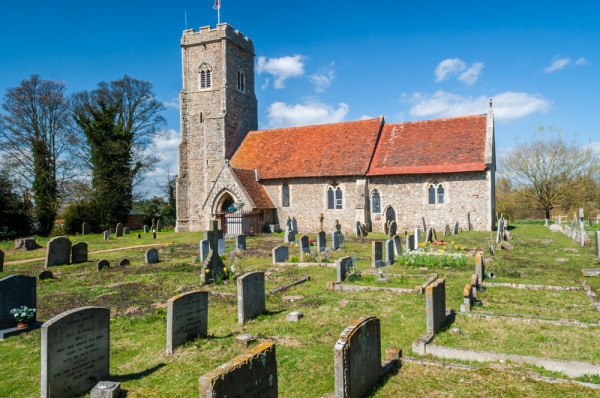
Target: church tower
{"x":218,"y":107}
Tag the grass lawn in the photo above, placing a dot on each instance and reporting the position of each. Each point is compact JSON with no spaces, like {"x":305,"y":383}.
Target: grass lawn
{"x":136,"y":296}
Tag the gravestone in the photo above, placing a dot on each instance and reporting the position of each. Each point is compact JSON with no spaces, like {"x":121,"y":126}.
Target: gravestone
{"x":499,"y":230}
{"x":289,"y":236}
{"x":598,"y":244}
{"x":480,"y":268}
{"x":106,"y":235}
{"x":126,"y":231}
{"x":25,"y":244}
{"x":455,"y":232}
{"x":469,"y":225}
{"x":221,"y":247}
{"x":280,"y":254}
{"x":45,"y":275}
{"x":410,"y":242}
{"x":146,"y":228}
{"x":357,"y":358}
{"x":429,"y":236}
{"x":251,"y":295}
{"x":386,"y":227}
{"x":139,"y":236}
{"x":203,"y":249}
{"x":417,"y":237}
{"x":15,"y":291}
{"x":447,"y":231}
{"x":213,"y":261}
{"x":153,"y":234}
{"x":58,"y":251}
{"x":435,"y":299}
{"x":294,"y":225}
{"x":393,"y":228}
{"x":151,"y":256}
{"x":75,"y":351}
{"x":335,"y":240}
{"x":304,"y":246}
{"x":321,"y":241}
{"x":125,"y":262}
{"x":468,"y":298}
{"x":79,"y":253}
{"x":103,"y":264}
{"x":358,"y":229}
{"x":119,"y":230}
{"x":253,"y":374}
{"x":546,"y":223}
{"x":377,"y":254}
{"x":85,"y":228}
{"x":158,"y":226}
{"x":397,"y":245}
{"x":342,"y":265}
{"x":389,"y":251}
{"x":241,"y":242}
{"x":363,"y":229}
{"x":1,"y":261}
{"x":423,"y":224}
{"x":187,"y":318}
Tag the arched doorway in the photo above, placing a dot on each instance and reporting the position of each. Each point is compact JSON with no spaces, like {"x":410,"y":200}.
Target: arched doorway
{"x":390,"y":214}
{"x":225,"y":203}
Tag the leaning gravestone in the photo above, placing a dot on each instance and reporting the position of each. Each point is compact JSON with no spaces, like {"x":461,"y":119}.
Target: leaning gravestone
{"x":241,"y":242}
{"x":151,"y":256}
{"x":253,"y":374}
{"x":358,"y":230}
{"x":85,"y":228}
{"x":1,"y":261}
{"x":393,"y":228}
{"x":79,"y":253}
{"x":15,"y":291}
{"x":75,"y":351}
{"x":187,"y":318}
{"x":321,"y":241}
{"x":357,"y":358}
{"x":389,"y":251}
{"x":58,"y":251}
{"x":203,"y":249}
{"x":423,"y":224}
{"x":447,"y":231}
{"x":294,"y":225}
{"x":280,"y":254}
{"x":119,"y":230}
{"x":342,"y":266}
{"x":455,"y":232}
{"x":377,"y":254}
{"x":289,"y":235}
{"x":251,"y":295}
{"x":336,"y":240}
{"x":397,"y":245}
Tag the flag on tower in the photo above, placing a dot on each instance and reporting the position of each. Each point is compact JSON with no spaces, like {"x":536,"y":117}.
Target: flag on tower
{"x":217,"y":4}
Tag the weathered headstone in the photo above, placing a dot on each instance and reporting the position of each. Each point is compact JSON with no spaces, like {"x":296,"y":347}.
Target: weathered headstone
{"x":304,"y":246}
{"x":499,"y":230}
{"x":469,"y":225}
{"x":25,"y":244}
{"x":126,"y":230}
{"x":139,"y":236}
{"x":389,"y":251}
{"x":363,"y":230}
{"x":45,"y":275}
{"x":546,"y":223}
{"x":213,"y":260}
{"x":187,"y":318}
{"x":240,"y":242}
{"x":295,"y":225}
{"x":15,"y":291}
{"x":125,"y":262}
{"x":397,"y":245}
{"x":106,"y":389}
{"x":357,"y":229}
{"x":119,"y":230}
{"x":280,"y":254}
{"x":335,"y":240}
{"x":221,"y":247}
{"x":410,"y":242}
{"x":417,"y":237}
{"x":468,"y":298}
{"x":75,"y":351}
{"x":146,"y":228}
{"x":377,"y":254}
{"x":289,"y":235}
{"x":447,"y":231}
{"x":357,"y":358}
{"x":253,"y":374}
{"x":151,"y":256}
{"x":203,"y":249}
{"x":106,"y":234}
{"x":435,"y":298}
{"x":79,"y":253}
{"x":455,"y":231}
{"x":251,"y":295}
{"x":598,"y":244}
{"x":423,"y":224}
{"x":342,"y":266}
{"x":103,"y":264}
{"x":58,"y":251}
{"x":85,"y":228}
{"x":321,"y":241}
{"x":158,"y":226}
{"x":393,"y":228}
{"x":429,"y":236}
{"x":480,"y":267}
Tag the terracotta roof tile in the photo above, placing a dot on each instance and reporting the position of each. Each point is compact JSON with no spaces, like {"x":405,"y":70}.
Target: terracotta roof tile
{"x":431,"y":146}
{"x":338,"y":149}
{"x":255,"y":189}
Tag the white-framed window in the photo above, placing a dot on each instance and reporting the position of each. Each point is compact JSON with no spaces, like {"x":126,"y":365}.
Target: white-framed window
{"x":335,"y":197}
{"x":435,"y":193}
{"x":205,"y":76}
{"x":376,"y":202}
{"x":285,"y":195}
{"x":241,"y":81}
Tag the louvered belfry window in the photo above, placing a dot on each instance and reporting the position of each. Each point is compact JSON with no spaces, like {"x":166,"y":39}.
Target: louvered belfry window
{"x":205,"y":76}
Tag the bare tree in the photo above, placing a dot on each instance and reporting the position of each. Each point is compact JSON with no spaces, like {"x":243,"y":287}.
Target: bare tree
{"x":36,"y":135}
{"x":548,"y":168}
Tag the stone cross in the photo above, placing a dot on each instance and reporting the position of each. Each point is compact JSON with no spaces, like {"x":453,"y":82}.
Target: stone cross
{"x":213,"y":261}
{"x":338,"y":226}
{"x":321,"y":222}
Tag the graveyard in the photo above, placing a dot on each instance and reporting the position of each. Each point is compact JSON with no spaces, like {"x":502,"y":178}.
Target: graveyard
{"x":531,"y":307}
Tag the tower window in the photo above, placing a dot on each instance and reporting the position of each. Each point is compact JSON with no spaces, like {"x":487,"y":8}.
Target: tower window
{"x":241,"y":81}
{"x":435,"y":194}
{"x":334,"y":197}
{"x":205,"y":76}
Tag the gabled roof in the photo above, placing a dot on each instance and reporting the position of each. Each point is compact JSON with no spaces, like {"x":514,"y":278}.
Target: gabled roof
{"x":431,"y":146}
{"x":328,"y":150}
{"x":256,"y":191}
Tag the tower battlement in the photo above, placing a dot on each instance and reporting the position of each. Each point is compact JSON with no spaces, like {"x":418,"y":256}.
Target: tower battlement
{"x":206,"y":34}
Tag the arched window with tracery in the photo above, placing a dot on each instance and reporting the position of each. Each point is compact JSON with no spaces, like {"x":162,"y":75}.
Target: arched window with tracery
{"x":376,"y":202}
{"x":205,"y":76}
{"x":435,"y":193}
{"x":334,"y":197}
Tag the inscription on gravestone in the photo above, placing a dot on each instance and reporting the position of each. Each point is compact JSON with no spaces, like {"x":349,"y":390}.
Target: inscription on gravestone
{"x":75,"y":351}
{"x":187,"y":318}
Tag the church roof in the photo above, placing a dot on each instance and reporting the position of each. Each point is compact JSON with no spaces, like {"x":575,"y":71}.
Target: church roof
{"x":431,"y":146}
{"x":327,"y":150}
{"x":256,"y":191}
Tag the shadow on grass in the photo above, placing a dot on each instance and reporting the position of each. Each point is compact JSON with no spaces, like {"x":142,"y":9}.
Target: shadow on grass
{"x":137,"y":376}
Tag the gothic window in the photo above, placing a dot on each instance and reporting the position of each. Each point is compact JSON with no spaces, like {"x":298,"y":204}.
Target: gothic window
{"x":376,"y":202}
{"x":241,"y":81}
{"x":205,"y":76}
{"x":285,"y":195}
{"x":435,"y":193}
{"x":334,"y":197}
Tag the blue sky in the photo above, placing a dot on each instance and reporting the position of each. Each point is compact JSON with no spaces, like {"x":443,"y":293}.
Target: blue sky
{"x":320,"y":62}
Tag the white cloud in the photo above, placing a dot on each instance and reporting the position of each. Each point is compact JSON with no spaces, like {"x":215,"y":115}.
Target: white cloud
{"x":366,"y":117}
{"x":311,"y":112}
{"x":507,"y":106}
{"x":447,"y":67}
{"x":167,"y":149}
{"x":172,"y":104}
{"x":281,"y":68}
{"x":471,"y":75}
{"x":581,"y":61}
{"x":323,"y":78}
{"x":559,"y":63}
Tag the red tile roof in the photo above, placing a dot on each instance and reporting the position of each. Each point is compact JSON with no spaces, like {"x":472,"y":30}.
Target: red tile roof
{"x":254,"y":188}
{"x":339,"y":149}
{"x":431,"y":146}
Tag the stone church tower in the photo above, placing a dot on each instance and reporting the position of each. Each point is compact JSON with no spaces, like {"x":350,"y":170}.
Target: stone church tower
{"x":218,"y":108}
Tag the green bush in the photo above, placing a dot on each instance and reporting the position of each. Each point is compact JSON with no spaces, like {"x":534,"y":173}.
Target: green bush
{"x":75,"y":215}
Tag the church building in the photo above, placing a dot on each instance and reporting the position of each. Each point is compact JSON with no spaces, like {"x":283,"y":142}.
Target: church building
{"x":370,"y":171}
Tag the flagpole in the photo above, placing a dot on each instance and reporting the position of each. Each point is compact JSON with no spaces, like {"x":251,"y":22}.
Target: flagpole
{"x":219,"y":14}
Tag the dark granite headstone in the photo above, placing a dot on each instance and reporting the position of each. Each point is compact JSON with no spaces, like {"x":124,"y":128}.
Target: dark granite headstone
{"x":280,"y":254}
{"x":58,"y":251}
{"x":321,"y":241}
{"x":304,"y":246}
{"x":126,"y":231}
{"x":125,"y":262}
{"x":241,"y":242}
{"x":1,"y":261}
{"x":103,"y":264}
{"x":15,"y":291}
{"x":389,"y":251}
{"x":377,"y":254}
{"x":342,"y":266}
{"x":45,"y":275}
{"x":119,"y":230}
{"x":85,"y":228}
{"x":79,"y":253}
{"x":151,"y":256}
